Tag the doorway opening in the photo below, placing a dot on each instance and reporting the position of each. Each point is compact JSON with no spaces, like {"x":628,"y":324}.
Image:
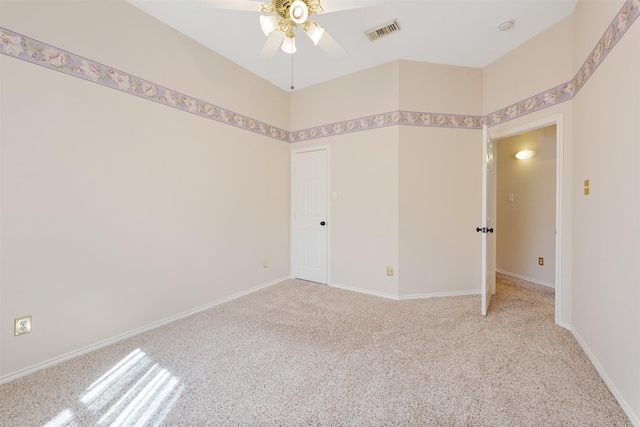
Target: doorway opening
{"x":526,"y":206}
{"x":529,"y":205}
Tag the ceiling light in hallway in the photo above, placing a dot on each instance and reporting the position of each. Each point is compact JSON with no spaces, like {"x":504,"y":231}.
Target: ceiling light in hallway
{"x":525,"y":154}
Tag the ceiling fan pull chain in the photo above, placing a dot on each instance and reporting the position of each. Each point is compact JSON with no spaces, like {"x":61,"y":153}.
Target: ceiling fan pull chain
{"x":292,"y":87}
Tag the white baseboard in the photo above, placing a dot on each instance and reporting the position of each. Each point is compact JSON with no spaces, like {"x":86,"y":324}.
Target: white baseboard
{"x":528,"y":279}
{"x":565,"y":325}
{"x":363,"y":291}
{"x":26,"y":371}
{"x":603,"y":374}
{"x":403,"y":297}
{"x":439,"y":295}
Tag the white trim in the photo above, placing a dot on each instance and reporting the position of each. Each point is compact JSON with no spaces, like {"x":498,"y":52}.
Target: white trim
{"x":291,"y":226}
{"x":101,"y":344}
{"x":603,"y":374}
{"x":528,"y":279}
{"x":558,"y":120}
{"x":565,"y":325}
{"x":439,"y":295}
{"x":363,"y":291}
{"x":403,"y":297}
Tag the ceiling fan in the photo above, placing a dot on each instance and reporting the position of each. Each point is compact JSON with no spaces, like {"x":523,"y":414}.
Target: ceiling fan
{"x":282,"y":17}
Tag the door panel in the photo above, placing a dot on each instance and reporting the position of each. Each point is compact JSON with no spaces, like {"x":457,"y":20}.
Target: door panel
{"x":488,"y":278}
{"x":309,"y":213}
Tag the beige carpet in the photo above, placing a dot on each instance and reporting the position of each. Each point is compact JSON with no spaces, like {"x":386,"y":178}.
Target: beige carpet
{"x":300,"y":353}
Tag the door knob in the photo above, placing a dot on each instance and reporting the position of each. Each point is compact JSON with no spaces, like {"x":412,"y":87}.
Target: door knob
{"x":322,"y":223}
{"x":484,"y":230}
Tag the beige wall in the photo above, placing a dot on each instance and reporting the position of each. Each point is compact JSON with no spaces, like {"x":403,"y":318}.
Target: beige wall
{"x":364,"y":218}
{"x":526,"y":224}
{"x":440,"y":176}
{"x":118,"y":212}
{"x":361,"y":94}
{"x":439,"y":250}
{"x":542,"y":63}
{"x":439,"y":88}
{"x":606,"y":229}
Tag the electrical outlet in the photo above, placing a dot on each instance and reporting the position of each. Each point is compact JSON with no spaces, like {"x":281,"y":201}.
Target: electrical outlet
{"x":22,"y":325}
{"x":265,"y":263}
{"x":540,"y":261}
{"x":389,"y":270}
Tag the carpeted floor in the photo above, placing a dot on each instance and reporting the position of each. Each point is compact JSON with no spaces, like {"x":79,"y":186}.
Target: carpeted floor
{"x":299,"y":353}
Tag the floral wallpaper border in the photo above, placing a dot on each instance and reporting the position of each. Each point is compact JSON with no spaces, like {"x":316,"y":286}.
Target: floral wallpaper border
{"x":393,"y":118}
{"x":564,"y":92}
{"x":36,"y":52}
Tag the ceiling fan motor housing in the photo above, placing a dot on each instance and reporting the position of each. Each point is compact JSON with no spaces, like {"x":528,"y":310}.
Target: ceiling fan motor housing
{"x":299,"y":12}
{"x":283,"y":9}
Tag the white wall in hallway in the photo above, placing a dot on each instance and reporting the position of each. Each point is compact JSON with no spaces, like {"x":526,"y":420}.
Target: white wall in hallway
{"x":526,"y":206}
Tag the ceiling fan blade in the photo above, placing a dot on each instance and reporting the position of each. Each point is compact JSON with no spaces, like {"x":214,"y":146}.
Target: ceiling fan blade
{"x":271,"y":46}
{"x":247,"y":5}
{"x":332,"y":47}
{"x":338,"y":5}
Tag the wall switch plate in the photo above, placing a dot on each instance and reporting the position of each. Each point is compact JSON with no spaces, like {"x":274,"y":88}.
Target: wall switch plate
{"x":540,"y":261}
{"x":21,"y":325}
{"x":587,"y":187}
{"x":265,"y":263}
{"x":389,"y":270}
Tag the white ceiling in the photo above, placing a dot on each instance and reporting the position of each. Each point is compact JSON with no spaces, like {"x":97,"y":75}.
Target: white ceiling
{"x":453,"y":32}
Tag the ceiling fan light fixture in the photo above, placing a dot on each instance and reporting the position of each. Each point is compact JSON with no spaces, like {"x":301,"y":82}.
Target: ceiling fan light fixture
{"x":268,"y":24}
{"x":314,"y":31}
{"x":298,"y":12}
{"x":289,"y":45}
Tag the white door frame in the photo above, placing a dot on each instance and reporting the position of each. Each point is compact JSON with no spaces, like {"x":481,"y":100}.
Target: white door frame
{"x":557,"y":120}
{"x":291,"y":213}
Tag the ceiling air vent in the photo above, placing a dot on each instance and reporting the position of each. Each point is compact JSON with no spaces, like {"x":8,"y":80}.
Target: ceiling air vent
{"x":383,"y":30}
